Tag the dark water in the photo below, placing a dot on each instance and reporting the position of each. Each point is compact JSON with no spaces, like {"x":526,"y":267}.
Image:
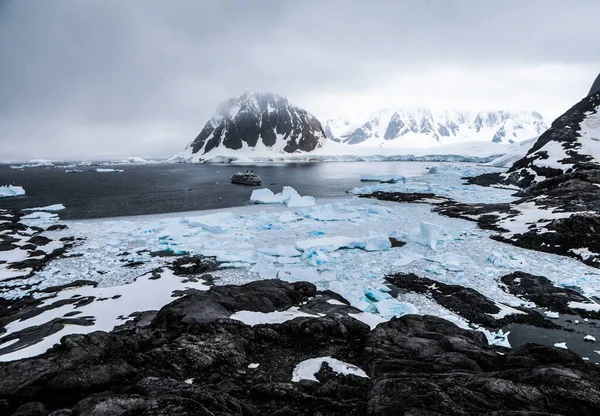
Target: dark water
{"x":153,"y":189}
{"x":572,"y":333}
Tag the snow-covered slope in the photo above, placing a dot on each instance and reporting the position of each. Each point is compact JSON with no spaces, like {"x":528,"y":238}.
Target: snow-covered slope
{"x":573,"y":141}
{"x":255,"y":122}
{"x":423,"y":128}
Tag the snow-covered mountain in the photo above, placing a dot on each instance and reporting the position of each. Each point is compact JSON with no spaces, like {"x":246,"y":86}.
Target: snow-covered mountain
{"x":571,"y":144}
{"x":256,"y":122}
{"x":424,"y":128}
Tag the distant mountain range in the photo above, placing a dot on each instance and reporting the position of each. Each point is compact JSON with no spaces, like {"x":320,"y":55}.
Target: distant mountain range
{"x":424,"y":128}
{"x":264,"y":123}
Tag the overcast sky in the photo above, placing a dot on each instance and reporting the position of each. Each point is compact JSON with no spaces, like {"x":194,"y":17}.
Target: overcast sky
{"x":104,"y":79}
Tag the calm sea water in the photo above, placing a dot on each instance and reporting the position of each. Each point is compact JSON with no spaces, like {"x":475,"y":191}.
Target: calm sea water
{"x":153,"y":189}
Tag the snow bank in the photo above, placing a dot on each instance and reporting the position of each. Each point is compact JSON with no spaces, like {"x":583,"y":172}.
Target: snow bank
{"x":10,"y":190}
{"x":307,"y":369}
{"x":288,"y":196}
{"x":277,"y":317}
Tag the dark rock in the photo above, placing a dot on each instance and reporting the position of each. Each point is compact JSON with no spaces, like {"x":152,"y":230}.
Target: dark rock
{"x":545,"y":294}
{"x":418,"y":365}
{"x":466,"y":302}
{"x":31,"y":409}
{"x":424,"y":198}
{"x":57,"y":227}
{"x":194,"y":265}
{"x":397,"y":243}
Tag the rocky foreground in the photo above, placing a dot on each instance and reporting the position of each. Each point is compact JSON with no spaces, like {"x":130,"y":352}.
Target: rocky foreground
{"x":191,"y":358}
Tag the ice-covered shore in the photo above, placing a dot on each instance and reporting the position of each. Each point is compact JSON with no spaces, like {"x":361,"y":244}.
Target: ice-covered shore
{"x":343,"y":245}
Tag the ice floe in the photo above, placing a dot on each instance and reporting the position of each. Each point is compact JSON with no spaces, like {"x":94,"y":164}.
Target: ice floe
{"x":10,"y":190}
{"x":55,"y":207}
{"x":288,"y":196}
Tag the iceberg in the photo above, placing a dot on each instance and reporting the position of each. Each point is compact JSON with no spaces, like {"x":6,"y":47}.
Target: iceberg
{"x":10,"y":190}
{"x":215,"y":223}
{"x":288,"y":196}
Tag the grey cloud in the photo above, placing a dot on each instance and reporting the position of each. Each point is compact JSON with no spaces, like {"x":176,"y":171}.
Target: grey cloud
{"x":77,"y":73}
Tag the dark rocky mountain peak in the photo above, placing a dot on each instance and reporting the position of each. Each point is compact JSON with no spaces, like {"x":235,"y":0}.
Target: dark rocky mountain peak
{"x":257,"y":121}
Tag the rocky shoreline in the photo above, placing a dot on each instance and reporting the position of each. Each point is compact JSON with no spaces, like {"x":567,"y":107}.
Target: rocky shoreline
{"x":191,"y":358}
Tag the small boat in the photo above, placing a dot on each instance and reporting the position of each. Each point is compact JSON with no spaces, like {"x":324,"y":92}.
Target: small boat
{"x":246,"y":178}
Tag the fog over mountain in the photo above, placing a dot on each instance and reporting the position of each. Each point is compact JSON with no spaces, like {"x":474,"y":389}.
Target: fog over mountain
{"x":140,"y":78}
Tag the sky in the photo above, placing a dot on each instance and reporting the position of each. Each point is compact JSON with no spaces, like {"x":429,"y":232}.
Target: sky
{"x":102,"y":79}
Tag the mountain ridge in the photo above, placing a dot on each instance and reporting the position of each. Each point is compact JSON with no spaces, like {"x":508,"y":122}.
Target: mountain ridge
{"x":422,"y":127}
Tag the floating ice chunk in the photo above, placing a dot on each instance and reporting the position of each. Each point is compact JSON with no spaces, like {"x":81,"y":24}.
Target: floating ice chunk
{"x":592,"y":307}
{"x":315,"y":257}
{"x":505,"y":311}
{"x":288,"y":196}
{"x":561,"y":345}
{"x":499,"y":338}
{"x":391,"y":307}
{"x":283,"y":251}
{"x":215,"y":223}
{"x":315,"y":233}
{"x":39,"y":217}
{"x":382,"y":178}
{"x":277,"y":317}
{"x":294,"y":200}
{"x":429,"y":235}
{"x":266,"y":196}
{"x":552,"y":315}
{"x":265,"y":270}
{"x":307,"y":369}
{"x":377,"y":243}
{"x":288,"y":260}
{"x":328,"y":213}
{"x":378,"y":209}
{"x":506,"y":261}
{"x":108,"y":170}
{"x":253,"y":365}
{"x":329,"y":244}
{"x":451,"y":261}
{"x":263,"y":222}
{"x":590,"y":338}
{"x":10,"y":190}
{"x":55,"y":207}
{"x":189,"y":381}
{"x":287,"y":216}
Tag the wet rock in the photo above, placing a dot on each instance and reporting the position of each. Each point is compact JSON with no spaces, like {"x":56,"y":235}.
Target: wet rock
{"x":397,"y":243}
{"x":407,"y":197}
{"x":175,"y":365}
{"x":466,"y":302}
{"x":545,"y":294}
{"x":426,"y":365}
{"x":194,"y":265}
